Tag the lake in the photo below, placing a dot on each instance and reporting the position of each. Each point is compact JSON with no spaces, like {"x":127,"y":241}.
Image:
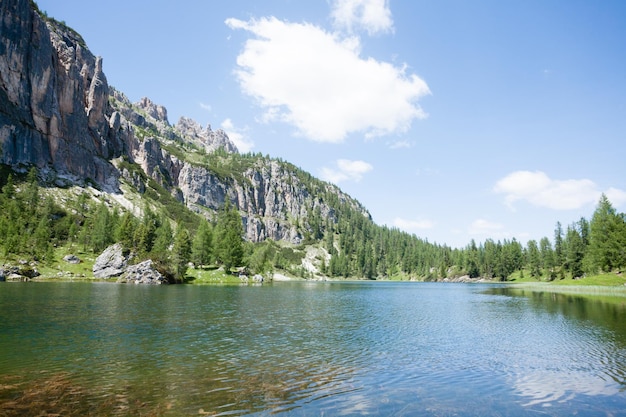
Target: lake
{"x":308,"y":349}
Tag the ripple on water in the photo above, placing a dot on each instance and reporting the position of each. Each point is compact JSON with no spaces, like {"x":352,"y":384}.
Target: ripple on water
{"x":329,"y":349}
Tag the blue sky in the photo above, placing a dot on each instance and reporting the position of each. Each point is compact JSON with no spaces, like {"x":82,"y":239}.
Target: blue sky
{"x":450,"y":119}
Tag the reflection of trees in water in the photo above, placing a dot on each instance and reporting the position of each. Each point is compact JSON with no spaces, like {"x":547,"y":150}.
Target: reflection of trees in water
{"x":600,"y":323}
{"x":604,"y":311}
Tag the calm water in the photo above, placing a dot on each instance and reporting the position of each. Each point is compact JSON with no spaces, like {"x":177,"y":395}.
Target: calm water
{"x":309,"y":349}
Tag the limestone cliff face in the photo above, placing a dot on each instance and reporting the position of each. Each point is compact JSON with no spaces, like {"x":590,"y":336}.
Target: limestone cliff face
{"x":57,"y":112}
{"x":53,"y":98}
{"x":207,"y":138}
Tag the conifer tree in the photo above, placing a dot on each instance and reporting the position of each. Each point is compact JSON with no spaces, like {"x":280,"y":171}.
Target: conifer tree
{"x":163,"y":240}
{"x":607,"y":237}
{"x":534,"y":259}
{"x":181,"y":252}
{"x":228,"y":237}
{"x":202,"y":245}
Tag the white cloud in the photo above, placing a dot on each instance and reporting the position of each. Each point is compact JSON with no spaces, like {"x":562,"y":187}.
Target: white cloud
{"x":412,"y":225}
{"x":401,"y":144}
{"x":346,"y":170}
{"x":237,"y":135}
{"x":616,"y":197}
{"x":206,"y":107}
{"x":481,"y":227}
{"x":374,"y":16}
{"x":540,"y":190}
{"x":317,"y":81}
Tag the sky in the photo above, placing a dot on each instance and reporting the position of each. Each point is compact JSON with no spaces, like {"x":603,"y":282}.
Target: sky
{"x":449,"y":119}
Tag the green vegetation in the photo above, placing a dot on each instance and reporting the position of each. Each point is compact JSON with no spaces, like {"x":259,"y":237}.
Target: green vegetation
{"x":35,"y":226}
{"x":39,"y":231}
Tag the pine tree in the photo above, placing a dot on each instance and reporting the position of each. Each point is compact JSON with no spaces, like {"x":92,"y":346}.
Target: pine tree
{"x":547,"y":256}
{"x":559,"y":257}
{"x":534,"y":259}
{"x":101,"y":229}
{"x":125,"y":233}
{"x":607,"y":237}
{"x":162,"y":241}
{"x":202,"y":246}
{"x":575,"y":252}
{"x":181,"y":252}
{"x":228,"y":237}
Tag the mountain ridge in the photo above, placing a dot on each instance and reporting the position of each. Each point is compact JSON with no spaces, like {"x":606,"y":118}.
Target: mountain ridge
{"x":58,"y":113}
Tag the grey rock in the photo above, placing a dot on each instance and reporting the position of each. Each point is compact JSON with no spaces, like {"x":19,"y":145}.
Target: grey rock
{"x":17,"y":277}
{"x":207,"y":138}
{"x":110,"y":263}
{"x":143,"y":273}
{"x":153,"y":110}
{"x":53,"y":98}
{"x":72,"y":259}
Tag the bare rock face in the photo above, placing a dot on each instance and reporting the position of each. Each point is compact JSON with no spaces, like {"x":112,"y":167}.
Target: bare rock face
{"x":209,"y":139}
{"x":155,"y":111}
{"x":54,"y":110}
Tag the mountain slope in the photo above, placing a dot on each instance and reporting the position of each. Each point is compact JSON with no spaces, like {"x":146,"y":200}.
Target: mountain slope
{"x":58,"y":113}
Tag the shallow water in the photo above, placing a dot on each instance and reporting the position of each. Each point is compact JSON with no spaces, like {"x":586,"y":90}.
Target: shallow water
{"x":309,"y":349}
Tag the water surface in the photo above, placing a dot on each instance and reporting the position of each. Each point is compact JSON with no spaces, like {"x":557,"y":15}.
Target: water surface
{"x":309,"y":349}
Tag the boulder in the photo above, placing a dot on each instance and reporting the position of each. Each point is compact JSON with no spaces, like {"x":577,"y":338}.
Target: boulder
{"x":143,"y":273}
{"x":71,"y":259}
{"x":111,"y":263}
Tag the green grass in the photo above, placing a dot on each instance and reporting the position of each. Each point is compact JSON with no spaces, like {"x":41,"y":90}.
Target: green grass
{"x":607,"y":280}
{"x":608,"y":288}
{"x":63,"y":270}
{"x":595,"y":280}
{"x":210,"y":276}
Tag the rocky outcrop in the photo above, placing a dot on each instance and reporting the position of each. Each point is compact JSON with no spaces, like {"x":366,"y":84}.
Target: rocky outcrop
{"x":153,"y":110}
{"x":15,"y":273}
{"x":143,"y":273}
{"x":110,"y":263}
{"x":207,"y":138}
{"x":54,"y":110}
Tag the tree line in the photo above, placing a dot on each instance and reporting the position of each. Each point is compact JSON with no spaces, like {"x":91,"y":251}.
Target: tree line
{"x":361,"y":248}
{"x":34,"y":225}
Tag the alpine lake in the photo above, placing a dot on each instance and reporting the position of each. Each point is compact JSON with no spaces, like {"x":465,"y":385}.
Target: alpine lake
{"x":309,"y":349}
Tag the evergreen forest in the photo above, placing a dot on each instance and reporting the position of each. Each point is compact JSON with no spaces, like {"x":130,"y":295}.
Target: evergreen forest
{"x":34,"y":224}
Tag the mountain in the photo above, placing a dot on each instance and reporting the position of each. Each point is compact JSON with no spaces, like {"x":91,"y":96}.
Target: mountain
{"x":59,"y":114}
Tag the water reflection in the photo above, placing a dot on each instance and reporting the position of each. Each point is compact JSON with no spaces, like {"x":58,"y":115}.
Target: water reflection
{"x":299,"y":349}
{"x":588,"y":335}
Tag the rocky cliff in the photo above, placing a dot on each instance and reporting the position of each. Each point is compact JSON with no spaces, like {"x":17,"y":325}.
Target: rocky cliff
{"x":57,"y":112}
{"x":53,"y":98}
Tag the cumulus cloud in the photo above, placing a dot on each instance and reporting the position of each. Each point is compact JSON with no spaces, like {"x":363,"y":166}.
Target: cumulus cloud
{"x":346,"y":170}
{"x":542,"y":191}
{"x":412,"y":225}
{"x":482,"y":227}
{"x":373,"y":16}
{"x":237,"y":135}
{"x":318,"y":82}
